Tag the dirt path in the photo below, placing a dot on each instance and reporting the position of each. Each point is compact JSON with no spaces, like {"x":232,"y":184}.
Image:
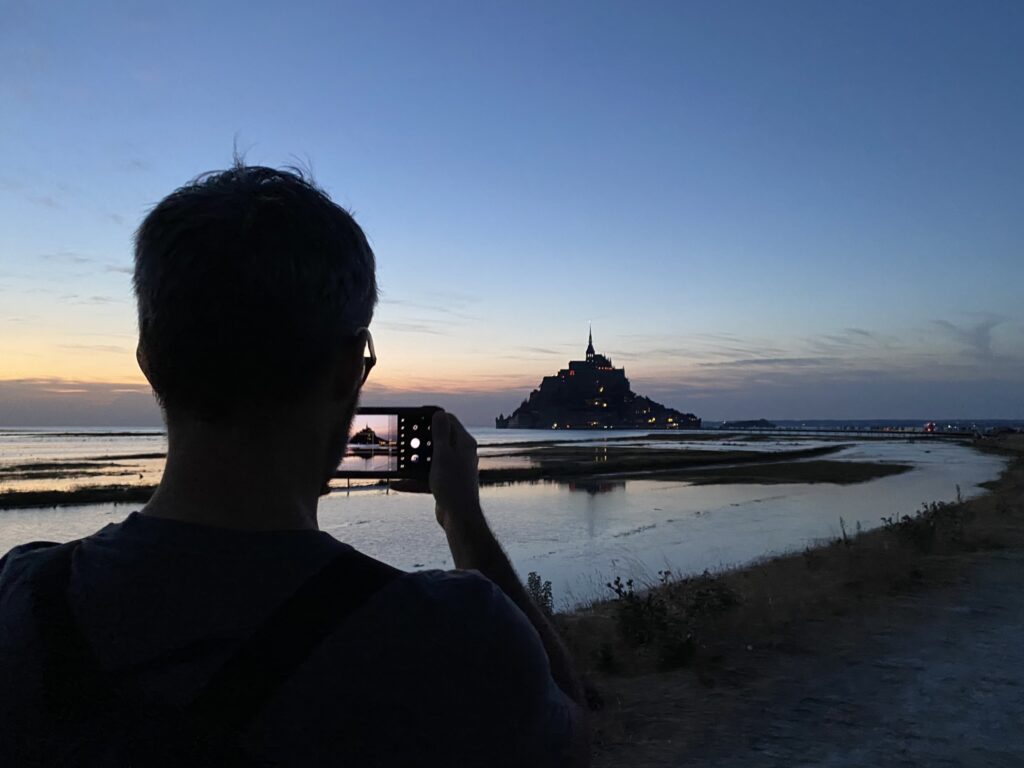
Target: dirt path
{"x":937,"y":679}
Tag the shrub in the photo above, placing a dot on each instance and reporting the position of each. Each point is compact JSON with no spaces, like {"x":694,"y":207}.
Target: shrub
{"x":928,"y":524}
{"x":640,"y":618}
{"x":708,"y":596}
{"x":665,"y":617}
{"x":606,"y":660}
{"x":540,"y":593}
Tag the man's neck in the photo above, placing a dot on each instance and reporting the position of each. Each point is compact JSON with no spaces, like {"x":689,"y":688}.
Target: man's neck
{"x":248,"y":478}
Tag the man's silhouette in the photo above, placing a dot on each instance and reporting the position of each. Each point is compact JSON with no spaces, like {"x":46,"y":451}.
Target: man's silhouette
{"x":218,"y":624}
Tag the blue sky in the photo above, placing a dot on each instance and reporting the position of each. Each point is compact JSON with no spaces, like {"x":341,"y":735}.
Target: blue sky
{"x":789,"y":210}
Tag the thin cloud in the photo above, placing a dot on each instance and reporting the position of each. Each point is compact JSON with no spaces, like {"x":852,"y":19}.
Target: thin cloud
{"x":400,"y":327}
{"x":46,"y":201}
{"x":542,"y":351}
{"x":655,"y":352}
{"x":136,"y":164}
{"x":69,"y":257}
{"x":855,"y":341}
{"x":80,"y":259}
{"x":862,"y":332}
{"x":454,"y":297}
{"x":105,"y":348}
{"x":455,"y":312}
{"x":770,"y":361}
{"x":467,"y":384}
{"x":977,"y":338}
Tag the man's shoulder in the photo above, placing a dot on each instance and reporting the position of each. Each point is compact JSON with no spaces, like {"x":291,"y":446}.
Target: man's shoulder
{"x":23,"y":559}
{"x":456,"y":588}
{"x":462,"y":595}
{"x":16,"y":553}
{"x":461,"y":616}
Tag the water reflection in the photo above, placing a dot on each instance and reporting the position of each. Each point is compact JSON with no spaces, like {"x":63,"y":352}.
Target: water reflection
{"x":594,"y":487}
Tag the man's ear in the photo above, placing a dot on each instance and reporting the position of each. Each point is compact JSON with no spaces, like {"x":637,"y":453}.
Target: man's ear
{"x":347,"y":370}
{"x":140,"y":356}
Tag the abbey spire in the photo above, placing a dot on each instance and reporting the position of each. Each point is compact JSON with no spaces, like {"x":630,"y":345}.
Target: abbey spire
{"x":590,"y":344}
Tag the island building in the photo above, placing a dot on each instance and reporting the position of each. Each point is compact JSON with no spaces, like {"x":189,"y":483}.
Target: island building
{"x":592,"y":394}
{"x":366,"y":436}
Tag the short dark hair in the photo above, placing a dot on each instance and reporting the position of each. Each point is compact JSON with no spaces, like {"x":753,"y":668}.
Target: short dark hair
{"x":246,"y":280}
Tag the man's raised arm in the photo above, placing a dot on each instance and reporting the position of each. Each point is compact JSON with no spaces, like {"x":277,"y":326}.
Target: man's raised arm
{"x":453,"y":481}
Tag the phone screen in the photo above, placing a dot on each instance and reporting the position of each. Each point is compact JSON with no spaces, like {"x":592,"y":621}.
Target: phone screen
{"x":372,"y":445}
{"x":388,"y":442}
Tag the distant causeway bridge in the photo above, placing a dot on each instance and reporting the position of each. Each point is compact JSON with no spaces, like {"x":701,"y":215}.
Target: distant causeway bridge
{"x":860,"y":433}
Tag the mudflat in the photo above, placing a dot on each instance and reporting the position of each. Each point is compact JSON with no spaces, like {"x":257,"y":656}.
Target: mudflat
{"x":548,"y":462}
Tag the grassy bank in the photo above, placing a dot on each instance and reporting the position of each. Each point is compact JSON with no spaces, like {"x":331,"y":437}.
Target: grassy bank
{"x":652,"y":650}
{"x":100,"y":494}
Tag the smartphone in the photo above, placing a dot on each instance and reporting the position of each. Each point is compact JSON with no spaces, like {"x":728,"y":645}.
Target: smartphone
{"x":389,"y":443}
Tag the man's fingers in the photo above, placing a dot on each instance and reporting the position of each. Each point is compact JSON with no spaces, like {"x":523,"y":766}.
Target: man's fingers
{"x":441,"y":428}
{"x":411,"y":486}
{"x":459,"y":433}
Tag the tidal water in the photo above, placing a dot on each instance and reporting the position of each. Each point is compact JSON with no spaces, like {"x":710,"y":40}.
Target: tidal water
{"x":577,"y":535}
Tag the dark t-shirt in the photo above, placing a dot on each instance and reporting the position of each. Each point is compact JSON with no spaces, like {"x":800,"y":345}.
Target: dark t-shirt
{"x":438,"y":667}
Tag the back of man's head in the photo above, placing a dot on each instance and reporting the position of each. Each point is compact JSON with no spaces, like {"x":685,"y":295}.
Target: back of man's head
{"x":247,"y":281}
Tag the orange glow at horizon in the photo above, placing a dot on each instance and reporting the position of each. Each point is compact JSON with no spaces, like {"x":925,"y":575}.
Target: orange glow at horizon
{"x":34,"y":358}
{"x":403,"y":367}
{"x":406,"y":365}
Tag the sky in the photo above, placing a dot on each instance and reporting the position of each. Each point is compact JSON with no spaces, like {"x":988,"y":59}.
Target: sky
{"x":789,"y":210}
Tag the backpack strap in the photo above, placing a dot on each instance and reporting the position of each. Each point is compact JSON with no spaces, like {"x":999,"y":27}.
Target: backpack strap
{"x":72,"y":673}
{"x":264,"y":662}
{"x":249,"y":678}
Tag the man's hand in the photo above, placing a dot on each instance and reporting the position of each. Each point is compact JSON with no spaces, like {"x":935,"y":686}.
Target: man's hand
{"x":454,"y":476}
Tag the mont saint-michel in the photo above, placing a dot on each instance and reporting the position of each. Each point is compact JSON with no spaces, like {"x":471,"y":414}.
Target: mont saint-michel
{"x":592,"y":394}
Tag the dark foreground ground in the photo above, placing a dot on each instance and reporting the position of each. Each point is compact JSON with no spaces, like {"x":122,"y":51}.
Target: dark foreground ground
{"x":892,"y":649}
{"x":936,"y":681}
